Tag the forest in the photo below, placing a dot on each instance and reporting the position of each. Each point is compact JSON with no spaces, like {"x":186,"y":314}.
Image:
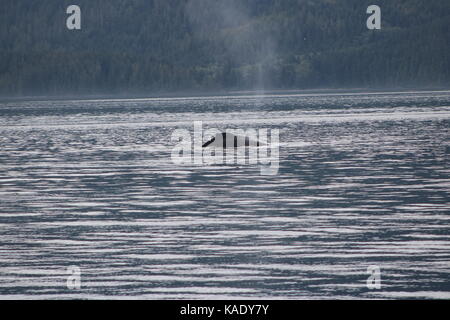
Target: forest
{"x":159,"y":46}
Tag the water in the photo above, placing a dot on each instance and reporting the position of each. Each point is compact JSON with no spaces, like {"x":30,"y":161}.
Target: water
{"x":363,"y":181}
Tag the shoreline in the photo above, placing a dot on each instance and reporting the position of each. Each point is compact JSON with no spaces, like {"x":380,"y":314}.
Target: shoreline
{"x":225,"y":94}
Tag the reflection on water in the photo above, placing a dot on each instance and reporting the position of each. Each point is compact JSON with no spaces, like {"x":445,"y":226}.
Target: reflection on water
{"x":363,"y":180}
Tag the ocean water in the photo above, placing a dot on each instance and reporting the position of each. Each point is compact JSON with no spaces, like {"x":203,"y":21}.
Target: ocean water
{"x":363,"y":181}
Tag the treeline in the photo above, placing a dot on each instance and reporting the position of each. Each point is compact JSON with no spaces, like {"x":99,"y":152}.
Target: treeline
{"x":148,"y":46}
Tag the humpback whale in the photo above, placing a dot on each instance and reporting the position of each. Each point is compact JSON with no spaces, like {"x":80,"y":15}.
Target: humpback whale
{"x":229,"y":140}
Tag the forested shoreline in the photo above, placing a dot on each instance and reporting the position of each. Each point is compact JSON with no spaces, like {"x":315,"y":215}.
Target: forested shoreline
{"x":151,"y":46}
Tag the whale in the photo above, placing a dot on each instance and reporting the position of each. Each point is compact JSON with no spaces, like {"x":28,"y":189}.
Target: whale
{"x":229,"y":140}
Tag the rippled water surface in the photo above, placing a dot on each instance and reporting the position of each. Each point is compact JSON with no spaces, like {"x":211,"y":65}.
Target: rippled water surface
{"x":363,"y":181}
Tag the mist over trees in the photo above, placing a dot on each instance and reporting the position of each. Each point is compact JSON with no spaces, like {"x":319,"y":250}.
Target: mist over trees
{"x":151,"y":46}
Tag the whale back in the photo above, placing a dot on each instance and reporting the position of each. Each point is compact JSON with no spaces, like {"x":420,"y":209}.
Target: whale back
{"x":229,"y":140}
